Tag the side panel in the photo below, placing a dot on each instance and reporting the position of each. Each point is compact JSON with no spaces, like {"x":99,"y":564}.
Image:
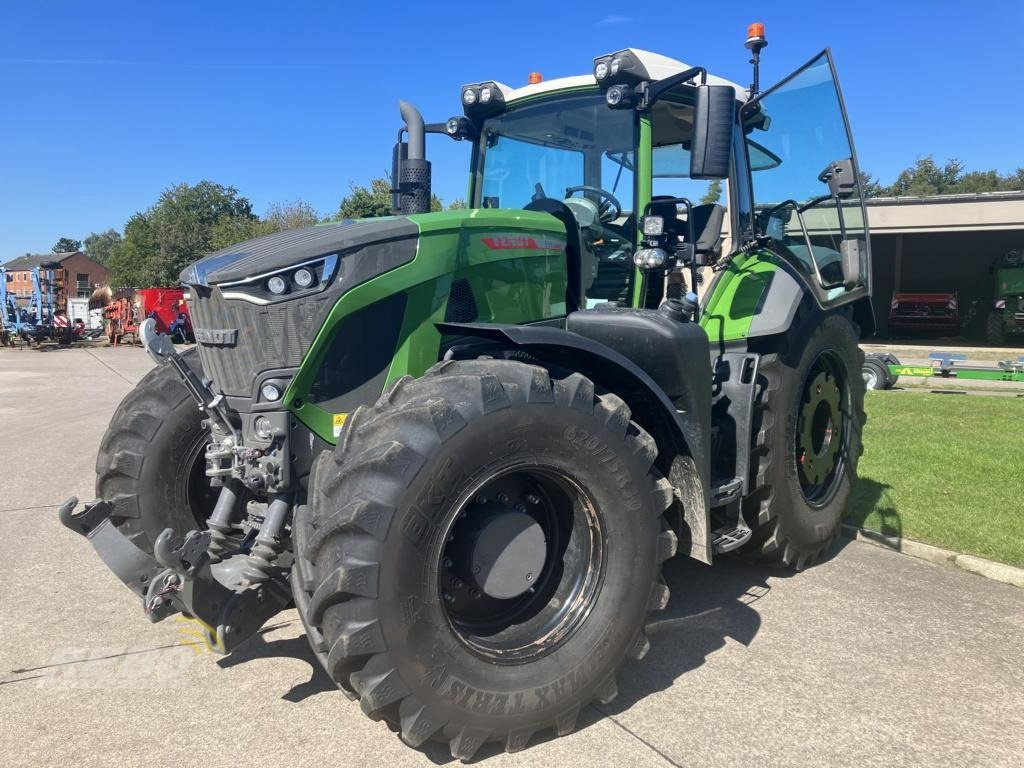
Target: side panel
{"x":512,"y":264}
{"x":757,"y":294}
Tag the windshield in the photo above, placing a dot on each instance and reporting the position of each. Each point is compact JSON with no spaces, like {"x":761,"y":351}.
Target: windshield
{"x":576,"y":150}
{"x":557,"y":144}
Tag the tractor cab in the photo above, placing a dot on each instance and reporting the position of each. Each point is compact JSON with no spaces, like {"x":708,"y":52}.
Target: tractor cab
{"x":715,"y":164}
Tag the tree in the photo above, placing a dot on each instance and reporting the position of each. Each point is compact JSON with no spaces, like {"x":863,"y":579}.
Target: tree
{"x":67,"y":245}
{"x":926,"y":178}
{"x":457,"y":204}
{"x":363,"y":203}
{"x":131,"y":260}
{"x":280,"y":216}
{"x":161,"y":241}
{"x":714,"y":193}
{"x":99,"y":245}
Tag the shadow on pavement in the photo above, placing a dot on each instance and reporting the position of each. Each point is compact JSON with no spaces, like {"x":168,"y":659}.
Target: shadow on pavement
{"x":873,"y":507}
{"x":707,"y":605}
{"x":258,"y":647}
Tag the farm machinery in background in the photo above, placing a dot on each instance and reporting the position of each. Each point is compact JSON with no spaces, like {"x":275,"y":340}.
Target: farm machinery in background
{"x":31,"y":318}
{"x":1007,"y":315}
{"x":125,"y":309}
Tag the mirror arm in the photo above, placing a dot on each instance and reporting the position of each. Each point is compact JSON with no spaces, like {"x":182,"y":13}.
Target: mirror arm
{"x":657,"y":88}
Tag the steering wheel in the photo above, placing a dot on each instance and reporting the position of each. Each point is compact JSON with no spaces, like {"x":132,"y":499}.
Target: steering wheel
{"x":608,"y":209}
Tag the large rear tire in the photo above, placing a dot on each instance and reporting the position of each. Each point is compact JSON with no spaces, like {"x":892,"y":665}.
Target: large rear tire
{"x":151,"y":462}
{"x":414,"y":498}
{"x":994,"y":331}
{"x":808,"y":421}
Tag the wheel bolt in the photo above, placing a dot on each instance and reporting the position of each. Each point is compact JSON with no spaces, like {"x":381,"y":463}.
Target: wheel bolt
{"x":503,"y":498}
{"x":476,"y":569}
{"x":457,"y":584}
{"x":475,"y":594}
{"x":447,"y":562}
{"x":481,"y":499}
{"x":448,"y":598}
{"x":529,"y":577}
{"x":520,"y":507}
{"x":533,"y":498}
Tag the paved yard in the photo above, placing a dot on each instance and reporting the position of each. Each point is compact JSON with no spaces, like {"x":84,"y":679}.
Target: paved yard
{"x":870,"y":658}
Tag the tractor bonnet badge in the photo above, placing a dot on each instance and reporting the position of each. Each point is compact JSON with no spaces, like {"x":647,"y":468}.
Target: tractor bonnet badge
{"x":222,"y":337}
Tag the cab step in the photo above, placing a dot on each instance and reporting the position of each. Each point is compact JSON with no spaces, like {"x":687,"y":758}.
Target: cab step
{"x":728,"y":539}
{"x":726,"y":492}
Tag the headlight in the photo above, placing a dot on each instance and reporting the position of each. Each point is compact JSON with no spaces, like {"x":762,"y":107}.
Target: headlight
{"x":277,"y":285}
{"x":271,"y":392}
{"x":281,"y":284}
{"x":601,"y":70}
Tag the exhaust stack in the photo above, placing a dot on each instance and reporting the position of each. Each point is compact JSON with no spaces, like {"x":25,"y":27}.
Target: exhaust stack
{"x":410,"y":167}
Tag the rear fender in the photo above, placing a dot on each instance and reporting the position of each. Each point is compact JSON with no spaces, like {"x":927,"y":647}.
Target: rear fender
{"x":679,"y":433}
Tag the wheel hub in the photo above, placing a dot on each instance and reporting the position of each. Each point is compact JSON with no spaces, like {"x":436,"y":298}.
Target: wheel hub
{"x":506,"y":551}
{"x":820,"y":420}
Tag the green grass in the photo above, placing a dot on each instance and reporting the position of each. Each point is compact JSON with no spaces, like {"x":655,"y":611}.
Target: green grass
{"x":944,"y":469}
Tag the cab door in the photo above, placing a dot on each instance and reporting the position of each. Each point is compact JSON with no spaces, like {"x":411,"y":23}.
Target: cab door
{"x":806,"y":182}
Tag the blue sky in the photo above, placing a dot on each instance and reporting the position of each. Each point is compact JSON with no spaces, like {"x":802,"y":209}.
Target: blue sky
{"x":103,"y":104}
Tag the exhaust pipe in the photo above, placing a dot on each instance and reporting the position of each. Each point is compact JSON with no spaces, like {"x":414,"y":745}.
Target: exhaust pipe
{"x":411,"y":169}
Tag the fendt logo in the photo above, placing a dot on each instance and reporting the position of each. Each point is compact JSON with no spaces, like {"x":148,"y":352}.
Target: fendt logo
{"x":221,"y":337}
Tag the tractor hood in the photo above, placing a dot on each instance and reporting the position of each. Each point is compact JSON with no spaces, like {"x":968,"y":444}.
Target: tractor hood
{"x":393,"y":238}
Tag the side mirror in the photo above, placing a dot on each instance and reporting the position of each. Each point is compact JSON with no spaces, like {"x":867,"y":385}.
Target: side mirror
{"x":714,"y":119}
{"x":851,"y":254}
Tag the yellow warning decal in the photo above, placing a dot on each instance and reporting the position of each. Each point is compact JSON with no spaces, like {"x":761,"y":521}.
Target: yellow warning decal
{"x":339,"y":423}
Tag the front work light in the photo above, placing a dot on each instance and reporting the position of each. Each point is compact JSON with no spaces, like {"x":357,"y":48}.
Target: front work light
{"x":650,"y":258}
{"x":620,"y":97}
{"x":480,"y":100}
{"x":654,"y":226}
{"x":277,"y":285}
{"x":304,"y":277}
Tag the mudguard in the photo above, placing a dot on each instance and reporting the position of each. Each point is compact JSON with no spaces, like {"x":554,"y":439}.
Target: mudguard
{"x":679,"y":431}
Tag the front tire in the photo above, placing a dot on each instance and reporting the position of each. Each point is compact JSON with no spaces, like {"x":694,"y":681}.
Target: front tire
{"x":151,"y":463}
{"x":808,"y":421}
{"x":393,"y":597}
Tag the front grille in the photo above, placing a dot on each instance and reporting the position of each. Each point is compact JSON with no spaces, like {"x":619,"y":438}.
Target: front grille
{"x":268,"y":337}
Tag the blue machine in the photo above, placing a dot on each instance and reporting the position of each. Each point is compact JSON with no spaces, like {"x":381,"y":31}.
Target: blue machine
{"x":34,"y":320}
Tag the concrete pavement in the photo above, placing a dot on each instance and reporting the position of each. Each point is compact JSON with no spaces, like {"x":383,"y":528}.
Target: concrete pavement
{"x":870,"y":658}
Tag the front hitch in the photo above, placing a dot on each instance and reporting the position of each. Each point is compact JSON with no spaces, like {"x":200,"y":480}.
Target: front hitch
{"x":228,"y":598}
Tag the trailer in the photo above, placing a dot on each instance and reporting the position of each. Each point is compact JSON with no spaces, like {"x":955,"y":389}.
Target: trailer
{"x":954,"y":365}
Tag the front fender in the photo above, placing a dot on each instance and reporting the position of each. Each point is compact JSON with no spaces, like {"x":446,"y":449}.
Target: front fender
{"x":682,"y":432}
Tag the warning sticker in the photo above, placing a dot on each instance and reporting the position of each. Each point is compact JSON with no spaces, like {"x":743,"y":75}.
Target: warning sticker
{"x":339,"y":423}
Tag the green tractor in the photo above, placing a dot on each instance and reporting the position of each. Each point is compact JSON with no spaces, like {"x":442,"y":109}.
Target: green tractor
{"x":1007,"y":315}
{"x":462,"y":444}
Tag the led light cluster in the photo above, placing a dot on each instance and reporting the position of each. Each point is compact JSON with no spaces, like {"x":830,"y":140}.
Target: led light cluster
{"x":650,"y":258}
{"x":483,"y":99}
{"x":298,"y":280}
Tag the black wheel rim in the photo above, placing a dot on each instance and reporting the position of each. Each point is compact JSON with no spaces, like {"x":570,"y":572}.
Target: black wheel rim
{"x":485,"y":613}
{"x":823,"y":429}
{"x":197,"y":492}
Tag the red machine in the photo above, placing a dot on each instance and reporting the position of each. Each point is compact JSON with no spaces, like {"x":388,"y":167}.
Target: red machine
{"x":165,"y":305}
{"x":929,"y":312}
